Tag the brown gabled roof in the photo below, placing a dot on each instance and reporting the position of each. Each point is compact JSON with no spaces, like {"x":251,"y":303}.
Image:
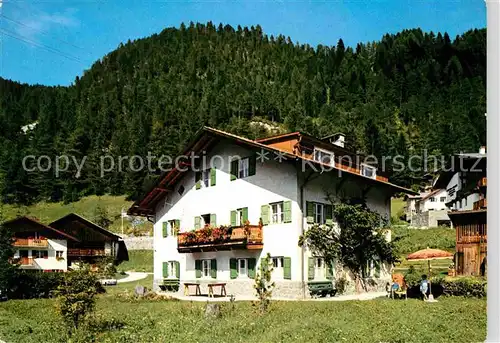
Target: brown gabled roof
{"x":88,"y":223}
{"x":33,"y":221}
{"x":434,"y":192}
{"x":206,"y":138}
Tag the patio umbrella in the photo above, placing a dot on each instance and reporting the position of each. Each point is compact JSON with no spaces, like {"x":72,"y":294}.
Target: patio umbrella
{"x":428,"y":255}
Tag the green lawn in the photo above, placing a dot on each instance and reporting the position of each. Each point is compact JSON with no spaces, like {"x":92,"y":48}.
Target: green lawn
{"x":121,"y":319}
{"x":48,"y":212}
{"x":139,"y":261}
{"x":397,"y":208}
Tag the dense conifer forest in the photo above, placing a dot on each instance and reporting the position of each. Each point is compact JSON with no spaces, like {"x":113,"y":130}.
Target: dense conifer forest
{"x":408,"y":92}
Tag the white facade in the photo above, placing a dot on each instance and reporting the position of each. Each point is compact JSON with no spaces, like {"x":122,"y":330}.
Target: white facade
{"x":454,"y":185}
{"x":435,"y":202}
{"x":272,"y":182}
{"x":52,"y":257}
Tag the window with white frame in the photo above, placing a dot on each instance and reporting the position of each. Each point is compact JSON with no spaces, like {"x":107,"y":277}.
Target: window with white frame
{"x":277,"y":212}
{"x":277,"y":267}
{"x":239,"y":217}
{"x":243,"y":167}
{"x":59,"y":254}
{"x":172,"y":226}
{"x":203,"y":177}
{"x":319,"y":213}
{"x":368,"y":171}
{"x":206,"y":219}
{"x":242,"y":267}
{"x":319,"y":268}
{"x":205,"y":268}
{"x":442,"y":199}
{"x":433,"y":199}
{"x":323,"y":156}
{"x":172,"y":269}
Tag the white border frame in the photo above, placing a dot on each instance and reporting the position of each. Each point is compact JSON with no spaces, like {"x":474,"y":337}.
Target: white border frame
{"x":493,"y":167}
{"x":331,"y":153}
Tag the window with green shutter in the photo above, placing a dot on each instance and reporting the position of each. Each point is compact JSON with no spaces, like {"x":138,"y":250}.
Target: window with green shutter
{"x":197,"y":222}
{"x":165,"y":269}
{"x":310,"y":268}
{"x":233,"y":218}
{"x":197,"y":180}
{"x":213,"y":219}
{"x":329,"y":214}
{"x":213,"y":268}
{"x":197,"y":267}
{"x":244,"y":214}
{"x":213,"y":173}
{"x":264,"y":214}
{"x":310,"y":212}
{"x":287,"y":268}
{"x":251,"y":267}
{"x":233,"y":266}
{"x":287,"y":209}
{"x":177,"y":269}
{"x":165,"y":229}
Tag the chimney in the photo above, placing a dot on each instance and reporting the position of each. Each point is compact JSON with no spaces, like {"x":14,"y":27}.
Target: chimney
{"x":339,"y":140}
{"x":482,"y":150}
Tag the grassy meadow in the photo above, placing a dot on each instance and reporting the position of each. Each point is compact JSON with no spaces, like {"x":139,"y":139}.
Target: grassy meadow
{"x":139,"y":261}
{"x":122,"y":318}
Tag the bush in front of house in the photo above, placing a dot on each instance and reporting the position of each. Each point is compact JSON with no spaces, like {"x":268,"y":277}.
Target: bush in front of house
{"x":29,"y":284}
{"x":447,"y":286}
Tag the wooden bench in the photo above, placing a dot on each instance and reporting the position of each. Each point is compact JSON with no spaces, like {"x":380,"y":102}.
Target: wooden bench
{"x":222,"y":289}
{"x":197,"y":288}
{"x":170,"y":285}
{"x":321,"y":288}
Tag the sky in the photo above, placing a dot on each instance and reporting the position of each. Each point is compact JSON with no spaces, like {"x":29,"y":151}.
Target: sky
{"x":51,"y":42}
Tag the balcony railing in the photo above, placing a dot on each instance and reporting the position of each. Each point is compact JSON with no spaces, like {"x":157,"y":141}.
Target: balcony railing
{"x":23,"y":261}
{"x":86,"y":252}
{"x":472,"y":239}
{"x":221,"y":238}
{"x":480,"y":204}
{"x":31,"y":242}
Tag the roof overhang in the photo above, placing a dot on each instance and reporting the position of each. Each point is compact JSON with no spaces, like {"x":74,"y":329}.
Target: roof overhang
{"x":17,"y":222}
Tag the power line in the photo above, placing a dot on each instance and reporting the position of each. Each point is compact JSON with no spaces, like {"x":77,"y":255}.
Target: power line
{"x":38,"y":30}
{"x":42,"y":46}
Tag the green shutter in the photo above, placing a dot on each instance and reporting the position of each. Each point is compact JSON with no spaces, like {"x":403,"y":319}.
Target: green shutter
{"x":197,"y":267}
{"x":233,"y":265}
{"x":376,"y":262}
{"x":178,"y":225}
{"x":251,"y":267}
{"x":329,"y":270}
{"x":329,"y":214}
{"x":177,"y":269}
{"x":213,"y":268}
{"x":287,"y":209}
{"x":287,"y":268}
{"x":165,"y":269}
{"x":165,"y":229}
{"x":252,"y":165}
{"x":310,"y":268}
{"x":197,"y":222}
{"x":234,"y":169}
{"x":233,"y":218}
{"x":213,"y":172}
{"x":310,"y":212}
{"x":197,"y":179}
{"x":213,"y":219}
{"x":244,"y":214}
{"x":264,"y":214}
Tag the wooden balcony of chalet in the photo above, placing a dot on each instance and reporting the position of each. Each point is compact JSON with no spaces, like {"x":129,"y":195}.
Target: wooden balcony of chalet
{"x":479,"y":205}
{"x":472,"y":239}
{"x":221,"y":238}
{"x":86,"y":252}
{"x":31,"y":243}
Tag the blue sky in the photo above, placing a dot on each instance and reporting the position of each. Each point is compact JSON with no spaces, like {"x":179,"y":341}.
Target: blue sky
{"x":63,"y":38}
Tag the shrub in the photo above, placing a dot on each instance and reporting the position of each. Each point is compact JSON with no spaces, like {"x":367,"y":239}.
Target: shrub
{"x":29,"y":284}
{"x":263,"y":284}
{"x":463,"y":286}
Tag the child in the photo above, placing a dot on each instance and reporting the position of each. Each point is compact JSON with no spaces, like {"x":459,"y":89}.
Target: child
{"x":424,"y":286}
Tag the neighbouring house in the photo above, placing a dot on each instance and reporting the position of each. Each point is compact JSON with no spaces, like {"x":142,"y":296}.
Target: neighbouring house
{"x":427,"y":209}
{"x":265,"y":193}
{"x":63,"y":243}
{"x":465,"y":184}
{"x":39,"y":246}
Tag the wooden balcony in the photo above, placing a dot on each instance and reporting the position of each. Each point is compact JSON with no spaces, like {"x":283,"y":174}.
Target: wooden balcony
{"x":221,"y":238}
{"x":86,"y":252}
{"x":23,"y":261}
{"x":479,"y":205}
{"x":31,"y":242}
{"x":472,"y":239}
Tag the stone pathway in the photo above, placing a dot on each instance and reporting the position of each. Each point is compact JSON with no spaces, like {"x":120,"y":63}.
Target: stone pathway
{"x":131,"y":277}
{"x":361,"y":297}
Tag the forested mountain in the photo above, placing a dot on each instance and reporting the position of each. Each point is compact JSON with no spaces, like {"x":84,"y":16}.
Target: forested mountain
{"x":406,"y":93}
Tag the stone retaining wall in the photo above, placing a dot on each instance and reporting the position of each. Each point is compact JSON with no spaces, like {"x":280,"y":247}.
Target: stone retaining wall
{"x":139,"y":243}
